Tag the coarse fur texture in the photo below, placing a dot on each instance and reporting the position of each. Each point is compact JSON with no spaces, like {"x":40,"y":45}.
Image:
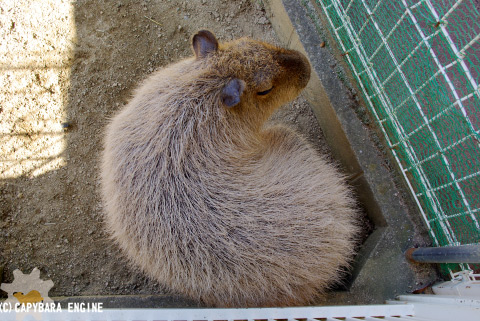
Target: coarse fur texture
{"x":207,"y":199}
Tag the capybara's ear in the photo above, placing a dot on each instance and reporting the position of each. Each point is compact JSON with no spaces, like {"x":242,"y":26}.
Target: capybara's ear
{"x":232,"y":92}
{"x":204,"y":42}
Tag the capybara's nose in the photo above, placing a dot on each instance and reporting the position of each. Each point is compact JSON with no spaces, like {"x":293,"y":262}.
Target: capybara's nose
{"x":297,"y":66}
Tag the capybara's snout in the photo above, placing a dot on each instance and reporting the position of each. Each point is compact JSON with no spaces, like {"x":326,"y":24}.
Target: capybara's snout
{"x":296,"y":65}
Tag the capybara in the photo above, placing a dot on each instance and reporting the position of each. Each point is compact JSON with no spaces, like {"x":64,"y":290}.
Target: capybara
{"x":208,"y":199}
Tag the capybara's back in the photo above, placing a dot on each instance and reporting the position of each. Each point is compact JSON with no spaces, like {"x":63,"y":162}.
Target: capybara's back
{"x":211,"y":202}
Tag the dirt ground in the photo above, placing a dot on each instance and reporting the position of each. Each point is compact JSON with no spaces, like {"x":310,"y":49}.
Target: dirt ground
{"x":65,"y":68}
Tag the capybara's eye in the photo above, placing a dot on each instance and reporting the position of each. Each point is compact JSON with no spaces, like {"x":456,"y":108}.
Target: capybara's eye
{"x":263,"y":93}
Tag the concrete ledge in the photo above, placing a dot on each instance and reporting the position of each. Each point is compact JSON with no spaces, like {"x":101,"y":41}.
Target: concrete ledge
{"x":380,"y":271}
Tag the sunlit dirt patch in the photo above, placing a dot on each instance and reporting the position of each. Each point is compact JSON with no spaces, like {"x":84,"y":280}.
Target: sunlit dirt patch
{"x":35,"y":55}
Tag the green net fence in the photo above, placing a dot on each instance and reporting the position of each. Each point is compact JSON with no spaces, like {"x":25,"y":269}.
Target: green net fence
{"x":417,"y":64}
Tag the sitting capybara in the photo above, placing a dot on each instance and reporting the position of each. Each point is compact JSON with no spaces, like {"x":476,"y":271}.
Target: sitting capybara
{"x":210,"y":201}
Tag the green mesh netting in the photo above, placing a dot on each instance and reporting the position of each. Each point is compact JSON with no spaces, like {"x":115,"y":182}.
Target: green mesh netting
{"x":417,"y":63}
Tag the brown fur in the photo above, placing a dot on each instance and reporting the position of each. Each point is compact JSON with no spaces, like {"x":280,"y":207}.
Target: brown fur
{"x":212,"y":203}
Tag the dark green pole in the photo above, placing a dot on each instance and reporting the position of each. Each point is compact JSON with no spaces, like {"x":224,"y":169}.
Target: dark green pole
{"x":445,"y":254}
